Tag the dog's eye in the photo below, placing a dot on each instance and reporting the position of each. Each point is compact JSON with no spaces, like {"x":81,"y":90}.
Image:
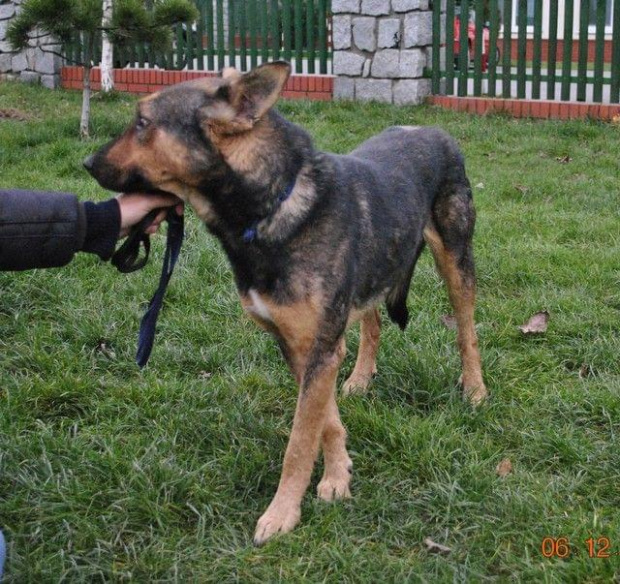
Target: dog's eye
{"x":142,"y":123}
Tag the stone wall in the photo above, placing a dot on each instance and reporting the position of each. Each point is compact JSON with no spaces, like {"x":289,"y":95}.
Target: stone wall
{"x":381,"y":48}
{"x":31,"y":65}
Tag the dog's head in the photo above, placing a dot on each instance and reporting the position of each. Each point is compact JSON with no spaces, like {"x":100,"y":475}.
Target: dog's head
{"x":179,"y":135}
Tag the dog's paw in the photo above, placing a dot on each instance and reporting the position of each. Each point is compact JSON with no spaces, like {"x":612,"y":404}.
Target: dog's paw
{"x":357,"y":384}
{"x":335,"y":485}
{"x":476,"y":395}
{"x":333,"y":489}
{"x":279,"y":518}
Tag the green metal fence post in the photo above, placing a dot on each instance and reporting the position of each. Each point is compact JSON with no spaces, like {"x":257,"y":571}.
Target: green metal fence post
{"x":552,"y":48}
{"x":567,"y":56}
{"x":221,"y":50}
{"x":582,"y":68}
{"x":252,"y":18}
{"x":287,"y":25}
{"x":599,"y":57}
{"x":323,"y":49}
{"x":299,"y":36}
{"x":507,"y":56}
{"x":615,"y":55}
{"x":479,"y":26}
{"x":200,"y":54}
{"x":310,"y":41}
{"x":450,"y":47}
{"x":537,"y":52}
{"x":210,"y":35}
{"x":463,"y":49}
{"x":232,"y":31}
{"x":264,"y":31}
{"x":436,"y":61}
{"x":493,"y":35}
{"x":521,"y":47}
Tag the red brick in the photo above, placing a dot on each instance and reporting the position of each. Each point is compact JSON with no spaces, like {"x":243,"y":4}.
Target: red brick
{"x":138,"y":88}
{"x":120,"y":86}
{"x":322,"y":96}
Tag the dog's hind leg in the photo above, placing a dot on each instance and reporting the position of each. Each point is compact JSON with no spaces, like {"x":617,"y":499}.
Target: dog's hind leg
{"x":365,"y":365}
{"x":338,"y":465}
{"x":449,"y":236}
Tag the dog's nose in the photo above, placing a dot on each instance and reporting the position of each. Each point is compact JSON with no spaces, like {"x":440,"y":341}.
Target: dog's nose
{"x":89,"y":162}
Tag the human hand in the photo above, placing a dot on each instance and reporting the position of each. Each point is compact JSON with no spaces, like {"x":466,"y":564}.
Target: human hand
{"x":135,"y":206}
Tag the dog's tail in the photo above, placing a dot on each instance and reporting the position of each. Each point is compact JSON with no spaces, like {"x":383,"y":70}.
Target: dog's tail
{"x":396,"y":301}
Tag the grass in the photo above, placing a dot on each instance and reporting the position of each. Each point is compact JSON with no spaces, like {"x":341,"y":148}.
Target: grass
{"x":109,"y":473}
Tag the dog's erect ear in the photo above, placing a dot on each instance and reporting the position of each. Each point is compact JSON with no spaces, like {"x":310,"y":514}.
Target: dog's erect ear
{"x":245,"y":100}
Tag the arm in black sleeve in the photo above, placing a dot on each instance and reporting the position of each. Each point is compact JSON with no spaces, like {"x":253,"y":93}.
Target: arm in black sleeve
{"x":45,"y":230}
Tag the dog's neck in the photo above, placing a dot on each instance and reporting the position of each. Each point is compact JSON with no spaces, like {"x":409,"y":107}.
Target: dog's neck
{"x":263,"y":191}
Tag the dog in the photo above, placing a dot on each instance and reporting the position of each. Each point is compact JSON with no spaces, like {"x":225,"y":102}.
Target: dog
{"x":316,"y":241}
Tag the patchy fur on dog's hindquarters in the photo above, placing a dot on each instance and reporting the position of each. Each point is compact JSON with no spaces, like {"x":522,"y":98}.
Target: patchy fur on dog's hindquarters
{"x":316,"y":241}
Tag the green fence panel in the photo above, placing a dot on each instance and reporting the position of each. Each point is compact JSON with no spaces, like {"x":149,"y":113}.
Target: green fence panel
{"x":582,"y":66}
{"x":479,"y":29}
{"x":252,"y":24}
{"x":449,"y":47}
{"x":537,"y":51}
{"x":615,"y":56}
{"x":507,"y":49}
{"x":567,"y":56}
{"x":599,"y":51}
{"x":275,"y":29}
{"x":299,"y":35}
{"x":463,"y":49}
{"x":323,"y":48}
{"x":521,"y":47}
{"x":310,"y":36}
{"x":436,"y":54}
{"x":552,"y":50}
{"x":287,"y":29}
{"x":493,"y":36}
{"x":232,"y":33}
{"x":264,"y":31}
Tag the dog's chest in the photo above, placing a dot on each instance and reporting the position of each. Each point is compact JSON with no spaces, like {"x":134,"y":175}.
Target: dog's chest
{"x":254,"y":305}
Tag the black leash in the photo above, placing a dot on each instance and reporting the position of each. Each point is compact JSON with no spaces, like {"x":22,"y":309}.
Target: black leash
{"x":127,"y":259}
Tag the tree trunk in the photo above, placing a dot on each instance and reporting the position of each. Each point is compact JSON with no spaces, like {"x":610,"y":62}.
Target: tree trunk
{"x":107,"y":51}
{"x":85,"y":119}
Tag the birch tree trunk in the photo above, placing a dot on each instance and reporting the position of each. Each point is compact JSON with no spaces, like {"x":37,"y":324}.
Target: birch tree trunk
{"x":85,"y":119}
{"x":107,"y":51}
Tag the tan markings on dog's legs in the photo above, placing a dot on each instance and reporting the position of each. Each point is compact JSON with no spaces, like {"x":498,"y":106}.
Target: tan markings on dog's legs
{"x":338,"y":465}
{"x":462,"y":295}
{"x":285,"y":509}
{"x":297,"y":325}
{"x":366,"y":364}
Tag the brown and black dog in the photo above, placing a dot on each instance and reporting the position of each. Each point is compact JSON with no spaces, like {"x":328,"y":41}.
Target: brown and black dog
{"x":316,"y":241}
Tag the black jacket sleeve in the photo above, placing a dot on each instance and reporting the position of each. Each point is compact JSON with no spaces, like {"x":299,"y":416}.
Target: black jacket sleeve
{"x":45,"y":230}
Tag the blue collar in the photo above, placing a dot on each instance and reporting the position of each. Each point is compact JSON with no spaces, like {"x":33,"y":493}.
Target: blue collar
{"x":250,"y":234}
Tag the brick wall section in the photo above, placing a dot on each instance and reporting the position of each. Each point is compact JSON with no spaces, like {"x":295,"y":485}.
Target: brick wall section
{"x":521,"y":108}
{"x":316,"y":87}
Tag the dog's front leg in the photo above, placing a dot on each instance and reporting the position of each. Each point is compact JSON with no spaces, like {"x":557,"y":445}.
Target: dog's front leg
{"x":316,"y":390}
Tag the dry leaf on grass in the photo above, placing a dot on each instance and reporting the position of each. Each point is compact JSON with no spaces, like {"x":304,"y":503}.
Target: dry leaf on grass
{"x":436,"y":548}
{"x":564,"y":159}
{"x":504,"y":468}
{"x":449,"y":321}
{"x":103,"y":348}
{"x":522,"y":189}
{"x":536,"y":324}
{"x":585,"y":371}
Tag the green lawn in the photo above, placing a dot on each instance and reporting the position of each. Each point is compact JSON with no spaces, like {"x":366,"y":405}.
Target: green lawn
{"x":110,"y":473}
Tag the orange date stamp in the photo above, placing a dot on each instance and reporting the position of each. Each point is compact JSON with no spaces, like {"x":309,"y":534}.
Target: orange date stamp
{"x":562,"y":547}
